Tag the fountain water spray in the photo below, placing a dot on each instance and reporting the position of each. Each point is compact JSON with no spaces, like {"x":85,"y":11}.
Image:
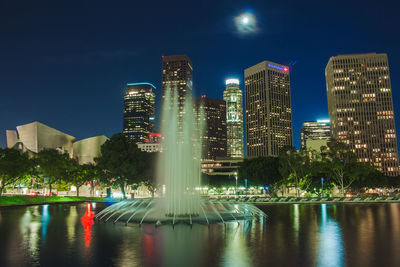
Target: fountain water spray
{"x":179,"y":164}
{"x":179,"y":169}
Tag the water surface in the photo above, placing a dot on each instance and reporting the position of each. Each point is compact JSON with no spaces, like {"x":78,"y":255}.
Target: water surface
{"x":292,"y":235}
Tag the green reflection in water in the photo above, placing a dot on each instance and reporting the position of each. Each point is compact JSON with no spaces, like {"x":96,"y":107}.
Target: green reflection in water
{"x":296,"y":221}
{"x":236,"y":251}
{"x":71,"y":223}
{"x":30,"y":230}
{"x":183,"y":244}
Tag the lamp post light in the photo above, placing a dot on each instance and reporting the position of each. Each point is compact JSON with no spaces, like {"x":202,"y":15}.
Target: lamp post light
{"x":266,"y":188}
{"x":44,"y":189}
{"x":236,"y":177}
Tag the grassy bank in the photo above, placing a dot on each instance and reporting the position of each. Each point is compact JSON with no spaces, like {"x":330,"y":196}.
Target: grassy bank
{"x":27,"y":200}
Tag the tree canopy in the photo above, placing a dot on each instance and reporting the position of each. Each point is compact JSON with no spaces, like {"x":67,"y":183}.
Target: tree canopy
{"x":53,"y":165}
{"x":13,"y":166}
{"x":308,"y":170}
{"x":121,"y":162}
{"x":261,"y":171}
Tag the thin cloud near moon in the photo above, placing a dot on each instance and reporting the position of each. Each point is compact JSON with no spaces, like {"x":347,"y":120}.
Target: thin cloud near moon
{"x":246,"y":24}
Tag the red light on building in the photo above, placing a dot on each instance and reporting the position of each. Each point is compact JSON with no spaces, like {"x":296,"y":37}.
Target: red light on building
{"x":155,"y":135}
{"x":285,"y":69}
{"x":203,"y":96}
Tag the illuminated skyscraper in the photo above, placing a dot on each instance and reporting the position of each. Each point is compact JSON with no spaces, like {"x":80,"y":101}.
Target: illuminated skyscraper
{"x":234,"y":118}
{"x":214,"y":135}
{"x":268,"y":109}
{"x":315,"y":134}
{"x":177,"y":74}
{"x":361,"y":108}
{"x":139,"y":110}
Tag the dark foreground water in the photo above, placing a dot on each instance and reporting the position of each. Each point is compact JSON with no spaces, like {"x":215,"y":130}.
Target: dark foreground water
{"x":293,"y":235}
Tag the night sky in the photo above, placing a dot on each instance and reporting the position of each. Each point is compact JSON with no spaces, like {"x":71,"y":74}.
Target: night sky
{"x":65,"y":63}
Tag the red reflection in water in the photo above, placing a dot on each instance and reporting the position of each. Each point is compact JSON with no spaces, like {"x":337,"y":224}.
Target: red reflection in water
{"x":87,"y":222}
{"x":149,"y":245}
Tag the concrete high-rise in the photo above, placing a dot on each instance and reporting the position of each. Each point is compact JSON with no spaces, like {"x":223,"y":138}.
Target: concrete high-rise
{"x":361,"y":108}
{"x":214,"y":134}
{"x":234,"y":118}
{"x":315,"y":134}
{"x":139,"y":111}
{"x":268,"y":109}
{"x":177,"y":74}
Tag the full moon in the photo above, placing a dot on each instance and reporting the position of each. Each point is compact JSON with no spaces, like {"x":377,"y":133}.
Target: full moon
{"x":246,"y":24}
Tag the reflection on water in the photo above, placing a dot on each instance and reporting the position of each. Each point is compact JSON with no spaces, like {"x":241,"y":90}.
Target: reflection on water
{"x":296,"y":221}
{"x":236,"y":251}
{"x":292,"y":235}
{"x":180,"y":239}
{"x":87,"y":222}
{"x":330,"y":251}
{"x":71,"y":219}
{"x":30,"y":229}
{"x":127,"y":255}
{"x":45,"y":221}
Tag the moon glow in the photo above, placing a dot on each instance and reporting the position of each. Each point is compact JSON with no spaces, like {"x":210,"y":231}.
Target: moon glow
{"x":246,"y":24}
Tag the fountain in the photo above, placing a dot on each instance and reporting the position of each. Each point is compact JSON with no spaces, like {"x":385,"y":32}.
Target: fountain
{"x":179,"y":169}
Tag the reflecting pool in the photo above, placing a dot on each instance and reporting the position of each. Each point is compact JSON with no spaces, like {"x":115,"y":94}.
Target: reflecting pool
{"x":292,"y":235}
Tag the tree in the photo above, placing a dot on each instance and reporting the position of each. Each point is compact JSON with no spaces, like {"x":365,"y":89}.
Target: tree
{"x":13,"y":166}
{"x":341,"y":165}
{"x":217,"y":180}
{"x":319,"y":179}
{"x":53,"y":165}
{"x":150,"y":172}
{"x":262,"y":171}
{"x":81,"y":175}
{"x":121,"y":162}
{"x":295,"y":167}
{"x":369,"y":177}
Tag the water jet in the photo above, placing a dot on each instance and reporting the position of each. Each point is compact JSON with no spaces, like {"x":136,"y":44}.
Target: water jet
{"x":179,"y":169}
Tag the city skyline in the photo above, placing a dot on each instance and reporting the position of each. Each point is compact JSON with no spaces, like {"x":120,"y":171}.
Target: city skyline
{"x":51,"y":71}
{"x":199,"y":133}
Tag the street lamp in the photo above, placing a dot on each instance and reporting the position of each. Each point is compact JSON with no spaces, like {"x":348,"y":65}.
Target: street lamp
{"x":236,"y":177}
